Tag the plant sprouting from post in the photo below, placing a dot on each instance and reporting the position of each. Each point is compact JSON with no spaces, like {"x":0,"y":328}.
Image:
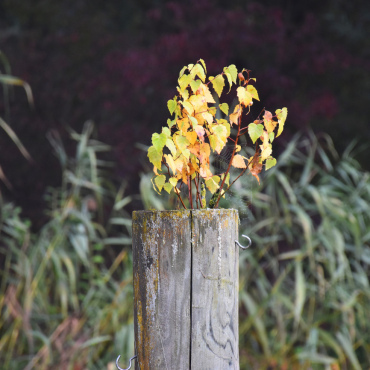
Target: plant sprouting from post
{"x":181,"y":153}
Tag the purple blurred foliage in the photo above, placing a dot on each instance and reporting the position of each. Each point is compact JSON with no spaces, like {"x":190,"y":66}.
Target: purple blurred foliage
{"x":119,"y":66}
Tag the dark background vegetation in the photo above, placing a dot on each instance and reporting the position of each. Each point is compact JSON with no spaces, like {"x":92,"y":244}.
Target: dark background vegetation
{"x":117,"y":63}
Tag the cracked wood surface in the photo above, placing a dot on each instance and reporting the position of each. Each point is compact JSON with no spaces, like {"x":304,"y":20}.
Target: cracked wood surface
{"x":186,"y":289}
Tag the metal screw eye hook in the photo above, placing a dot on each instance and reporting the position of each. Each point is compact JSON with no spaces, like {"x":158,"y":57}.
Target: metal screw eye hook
{"x":129,"y":367}
{"x":249,"y":244}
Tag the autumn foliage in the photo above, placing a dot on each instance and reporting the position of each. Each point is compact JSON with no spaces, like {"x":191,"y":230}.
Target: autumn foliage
{"x":201,"y":125}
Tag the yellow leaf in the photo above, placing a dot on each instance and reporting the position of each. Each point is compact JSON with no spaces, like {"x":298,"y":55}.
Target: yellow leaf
{"x":218,"y":84}
{"x":281,"y":115}
{"x":198,"y":102}
{"x":238,"y":161}
{"x":159,"y":181}
{"x":171,"y":163}
{"x":252,"y":90}
{"x":204,"y":90}
{"x":208,"y":117}
{"x":184,"y":81}
{"x":173,"y":181}
{"x":188,"y":107}
{"x":244,"y":96}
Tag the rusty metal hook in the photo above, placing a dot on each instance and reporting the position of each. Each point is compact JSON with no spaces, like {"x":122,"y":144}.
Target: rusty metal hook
{"x":249,"y":244}
{"x":129,"y":366}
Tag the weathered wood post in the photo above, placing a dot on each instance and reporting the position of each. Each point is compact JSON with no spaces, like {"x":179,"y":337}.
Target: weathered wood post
{"x":186,"y":289}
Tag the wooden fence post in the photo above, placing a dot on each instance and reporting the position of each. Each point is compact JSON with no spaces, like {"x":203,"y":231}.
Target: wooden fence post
{"x":186,"y":289}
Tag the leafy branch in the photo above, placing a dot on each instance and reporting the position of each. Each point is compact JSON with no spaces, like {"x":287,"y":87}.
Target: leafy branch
{"x":185,"y":146}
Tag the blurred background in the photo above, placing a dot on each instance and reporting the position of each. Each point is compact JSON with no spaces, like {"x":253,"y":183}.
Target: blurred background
{"x":101,"y":74}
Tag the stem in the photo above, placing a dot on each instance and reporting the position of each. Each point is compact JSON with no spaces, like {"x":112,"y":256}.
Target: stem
{"x":231,"y":159}
{"x":190,"y":195}
{"x":198,"y":198}
{"x":176,"y":190}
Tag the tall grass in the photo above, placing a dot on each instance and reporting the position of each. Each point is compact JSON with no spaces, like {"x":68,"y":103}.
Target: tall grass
{"x":305,"y":292}
{"x":66,"y":292}
{"x":304,"y":283}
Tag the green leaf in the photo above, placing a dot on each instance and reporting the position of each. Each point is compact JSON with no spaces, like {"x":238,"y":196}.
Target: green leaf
{"x":271,"y":137}
{"x":171,"y":104}
{"x":182,"y":142}
{"x":224,"y":107}
{"x":166,"y":131}
{"x":253,"y":92}
{"x":198,"y":70}
{"x":255,"y":131}
{"x":171,"y":146}
{"x":203,"y":64}
{"x":229,"y":79}
{"x":211,"y":185}
{"x":195,"y":85}
{"x":159,"y":141}
{"x":270,"y":162}
{"x":184,"y":81}
{"x":171,"y":123}
{"x":168,"y":187}
{"x":220,"y":131}
{"x":159,"y":181}
{"x":218,"y":84}
{"x":182,"y":71}
{"x":193,"y":121}
{"x":188,"y":107}
{"x":281,"y":115}
{"x":155,"y":157}
{"x":173,"y":181}
{"x":233,"y":71}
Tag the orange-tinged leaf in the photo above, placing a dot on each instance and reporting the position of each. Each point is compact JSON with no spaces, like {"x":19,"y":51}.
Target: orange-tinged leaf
{"x":191,"y":136}
{"x":270,"y":126}
{"x":205,"y":172}
{"x":244,"y":96}
{"x":183,"y":124}
{"x":255,"y":170}
{"x":234,"y":117}
{"x":238,"y":161}
{"x":205,"y":152}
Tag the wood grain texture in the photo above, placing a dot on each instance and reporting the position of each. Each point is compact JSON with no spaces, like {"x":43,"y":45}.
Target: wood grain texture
{"x":186,"y":289}
{"x":162,"y":266}
{"x":215,"y":278}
